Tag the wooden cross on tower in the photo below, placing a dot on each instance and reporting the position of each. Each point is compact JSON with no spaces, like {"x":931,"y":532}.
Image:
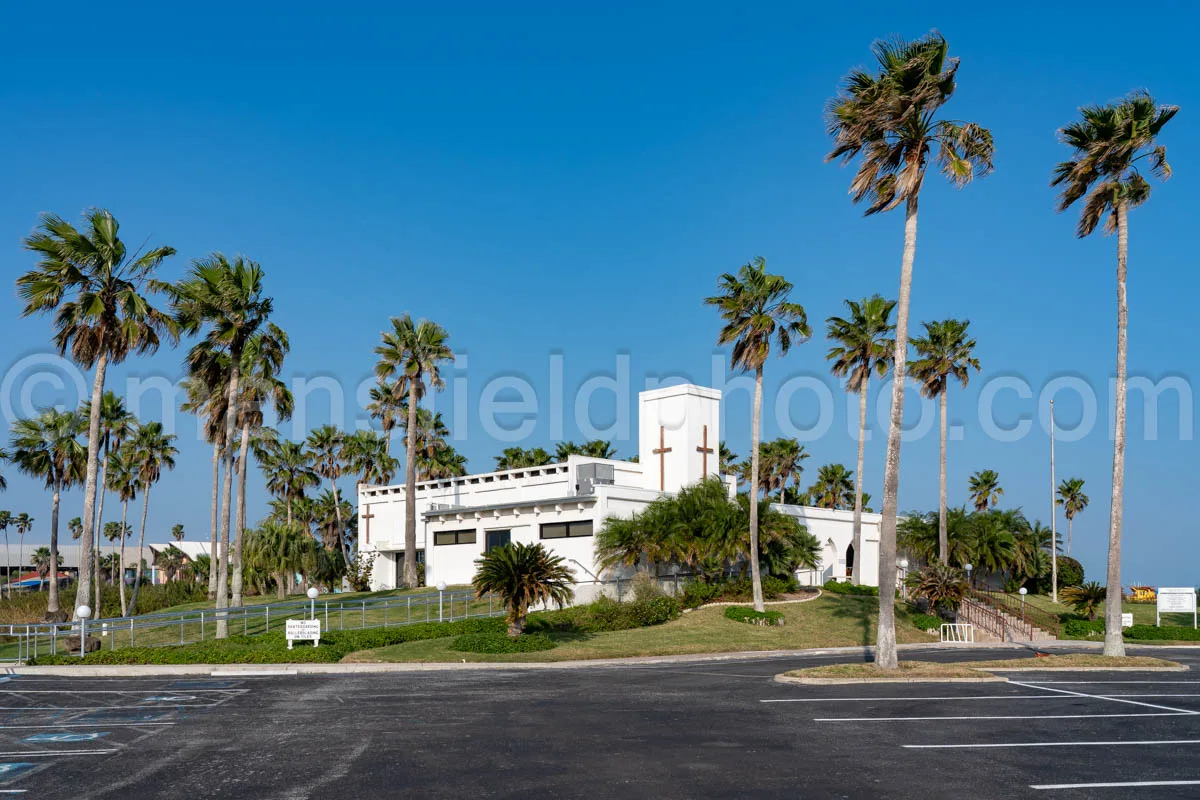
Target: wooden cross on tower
{"x":704,"y":450}
{"x":661,"y":451}
{"x":367,"y":517}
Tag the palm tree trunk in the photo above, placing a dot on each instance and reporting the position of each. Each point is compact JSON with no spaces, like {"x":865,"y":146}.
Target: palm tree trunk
{"x":121,"y":563}
{"x":84,"y":587}
{"x":755,"y":576}
{"x":99,"y":530}
{"x":337,"y":515}
{"x":241,"y":516}
{"x":885,"y":655}
{"x":235,"y":359}
{"x":858,"y":479}
{"x":1070,"y":524}
{"x":20,"y":553}
{"x":52,"y":600}
{"x":212,"y":550}
{"x":137,"y":573}
{"x":943,"y":536}
{"x":410,"y":489}
{"x":1114,"y":644}
{"x":7,"y":565}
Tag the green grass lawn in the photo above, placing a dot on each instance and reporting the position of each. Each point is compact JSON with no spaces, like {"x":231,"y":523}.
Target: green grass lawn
{"x":1143,"y":613}
{"x":829,"y":621}
{"x":345,"y":597}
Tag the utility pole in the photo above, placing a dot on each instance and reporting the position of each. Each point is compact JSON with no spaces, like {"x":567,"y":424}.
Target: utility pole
{"x":1053,"y":516}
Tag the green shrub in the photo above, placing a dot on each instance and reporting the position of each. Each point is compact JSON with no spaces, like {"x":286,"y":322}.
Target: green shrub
{"x":1167,"y":633}
{"x":29,"y":607}
{"x":738,"y":590}
{"x":749,"y":615}
{"x":1076,"y":628}
{"x":605,"y":615}
{"x":841,"y":587}
{"x":927,"y":622}
{"x":501,"y":643}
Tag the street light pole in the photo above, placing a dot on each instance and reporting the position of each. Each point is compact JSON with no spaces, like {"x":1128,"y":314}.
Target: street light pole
{"x":441,"y":587}
{"x":1053,"y":516}
{"x":83,"y":612}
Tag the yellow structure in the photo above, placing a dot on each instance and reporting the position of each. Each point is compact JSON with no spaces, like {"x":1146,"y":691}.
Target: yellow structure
{"x":1142,"y":594}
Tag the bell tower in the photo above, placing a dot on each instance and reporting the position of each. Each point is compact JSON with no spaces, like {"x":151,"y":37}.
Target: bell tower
{"x":679,"y":435}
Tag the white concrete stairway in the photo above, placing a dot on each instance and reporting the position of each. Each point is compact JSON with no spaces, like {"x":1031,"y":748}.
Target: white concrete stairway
{"x":999,"y":625}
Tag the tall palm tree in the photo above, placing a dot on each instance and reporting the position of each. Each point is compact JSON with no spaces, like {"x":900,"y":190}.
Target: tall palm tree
{"x":944,"y":352}
{"x":366,"y":453}
{"x":48,"y":447}
{"x":6,"y":519}
{"x":206,"y":398}
{"x":984,"y":489}
{"x":116,"y":423}
{"x":523,"y":575}
{"x":114,"y":531}
{"x":412,"y":352}
{"x":833,"y":488}
{"x":227,"y":299}
{"x":1108,"y":142}
{"x":756,"y":308}
{"x":99,"y":294}
{"x":726,"y":457}
{"x":41,"y":560}
{"x":177,"y":532}
{"x":1073,"y":501}
{"x":889,"y":119}
{"x":431,"y":437}
{"x":327,"y":448}
{"x":153,"y":451}
{"x":287,"y":468}
{"x":23,"y":523}
{"x":262,"y":361}
{"x":787,"y":464}
{"x":863,"y":346}
{"x":122,"y":472}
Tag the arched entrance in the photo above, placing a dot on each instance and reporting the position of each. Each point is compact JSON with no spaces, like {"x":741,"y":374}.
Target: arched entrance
{"x":850,"y":560}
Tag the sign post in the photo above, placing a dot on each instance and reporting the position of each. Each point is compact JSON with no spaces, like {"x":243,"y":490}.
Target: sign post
{"x":1176,"y":601}
{"x":303,"y":630}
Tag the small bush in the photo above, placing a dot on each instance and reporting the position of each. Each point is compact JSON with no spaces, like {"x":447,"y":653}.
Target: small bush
{"x":749,"y":615}
{"x":1167,"y":633}
{"x":1082,"y":628}
{"x":606,"y":615}
{"x":501,"y":643}
{"x":927,"y":622}
{"x":840,"y":587}
{"x":738,"y":590}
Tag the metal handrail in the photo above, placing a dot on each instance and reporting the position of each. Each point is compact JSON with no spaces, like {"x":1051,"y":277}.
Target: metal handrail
{"x":1034,"y":617}
{"x":992,"y":620}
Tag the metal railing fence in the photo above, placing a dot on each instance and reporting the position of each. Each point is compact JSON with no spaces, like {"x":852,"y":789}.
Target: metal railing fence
{"x":20,"y":643}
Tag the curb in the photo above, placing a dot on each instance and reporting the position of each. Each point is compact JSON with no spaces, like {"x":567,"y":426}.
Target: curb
{"x":1180,"y":668}
{"x":366,"y":668}
{"x":841,"y":681}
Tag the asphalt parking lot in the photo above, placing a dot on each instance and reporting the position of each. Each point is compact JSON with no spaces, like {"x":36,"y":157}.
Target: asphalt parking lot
{"x":712,"y":729}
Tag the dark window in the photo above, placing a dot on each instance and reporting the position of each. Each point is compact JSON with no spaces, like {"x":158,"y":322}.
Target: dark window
{"x":455,"y":537}
{"x":567,"y":530}
{"x":496,"y":539}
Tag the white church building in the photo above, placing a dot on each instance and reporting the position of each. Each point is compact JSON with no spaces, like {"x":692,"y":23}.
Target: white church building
{"x":564,"y":505}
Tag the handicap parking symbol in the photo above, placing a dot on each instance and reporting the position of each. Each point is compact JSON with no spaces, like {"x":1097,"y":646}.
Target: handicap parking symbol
{"x":14,"y":769}
{"x":65,"y":737}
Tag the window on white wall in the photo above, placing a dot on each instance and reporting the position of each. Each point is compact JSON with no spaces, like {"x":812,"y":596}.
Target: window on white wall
{"x":567,"y":530}
{"x":494,"y":539}
{"x":454,"y":537}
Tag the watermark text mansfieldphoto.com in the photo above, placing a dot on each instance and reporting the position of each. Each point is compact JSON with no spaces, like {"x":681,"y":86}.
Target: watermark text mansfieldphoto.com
{"x":510,"y":407}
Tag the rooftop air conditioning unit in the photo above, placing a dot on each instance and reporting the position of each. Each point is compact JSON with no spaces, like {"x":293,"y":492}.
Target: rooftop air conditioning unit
{"x":593,"y":475}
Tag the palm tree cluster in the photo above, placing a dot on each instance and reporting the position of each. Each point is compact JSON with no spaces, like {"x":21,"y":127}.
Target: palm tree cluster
{"x":703,"y":531}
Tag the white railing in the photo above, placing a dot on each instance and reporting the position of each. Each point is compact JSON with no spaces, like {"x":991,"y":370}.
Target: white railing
{"x":958,"y":633}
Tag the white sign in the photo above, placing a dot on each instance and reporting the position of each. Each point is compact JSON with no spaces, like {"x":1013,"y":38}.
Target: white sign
{"x":1176,"y":600}
{"x":1127,"y":620}
{"x":303,"y":630}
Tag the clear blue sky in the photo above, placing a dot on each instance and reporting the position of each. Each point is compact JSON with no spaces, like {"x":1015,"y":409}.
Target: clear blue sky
{"x":570,"y":178}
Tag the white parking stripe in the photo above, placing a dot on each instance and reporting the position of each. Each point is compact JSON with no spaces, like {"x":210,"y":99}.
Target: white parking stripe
{"x":977,"y":717}
{"x":1111,"y":785}
{"x":917,"y":699}
{"x":1086,"y":683}
{"x":42,"y":753}
{"x":84,"y":725}
{"x":1043,"y":744}
{"x":1108,"y":697}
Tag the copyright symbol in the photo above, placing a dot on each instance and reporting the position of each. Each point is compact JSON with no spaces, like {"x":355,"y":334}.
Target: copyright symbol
{"x":44,"y":373}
